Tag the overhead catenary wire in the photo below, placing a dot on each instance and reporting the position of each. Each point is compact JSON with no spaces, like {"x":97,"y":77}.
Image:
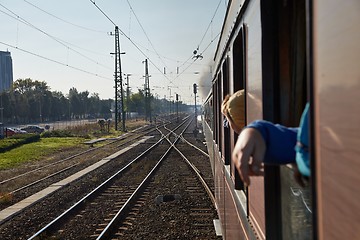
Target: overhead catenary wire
{"x":24,"y":21}
{"x":146,"y":56}
{"x":70,"y":23}
{"x":55,"y":61}
{"x":103,"y":12}
{"x":211,"y":21}
{"x":137,"y":19}
{"x":150,"y":60}
{"x":131,"y":41}
{"x":56,"y":26}
{"x":195,"y":59}
{"x":200,"y":54}
{"x":202,"y":39}
{"x":63,"y":20}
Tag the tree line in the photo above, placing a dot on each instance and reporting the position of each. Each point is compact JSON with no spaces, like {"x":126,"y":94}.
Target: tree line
{"x":32,"y":101}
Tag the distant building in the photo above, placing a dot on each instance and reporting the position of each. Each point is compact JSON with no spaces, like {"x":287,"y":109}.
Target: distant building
{"x":6,"y":71}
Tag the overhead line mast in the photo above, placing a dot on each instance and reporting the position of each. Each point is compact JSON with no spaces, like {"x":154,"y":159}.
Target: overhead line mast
{"x":147,"y":93}
{"x":119,"y":93}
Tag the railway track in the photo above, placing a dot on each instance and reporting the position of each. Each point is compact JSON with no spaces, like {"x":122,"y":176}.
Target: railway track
{"x":31,"y":181}
{"x":121,"y":197}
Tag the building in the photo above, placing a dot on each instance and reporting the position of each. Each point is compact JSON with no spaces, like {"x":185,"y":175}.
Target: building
{"x":6,"y":71}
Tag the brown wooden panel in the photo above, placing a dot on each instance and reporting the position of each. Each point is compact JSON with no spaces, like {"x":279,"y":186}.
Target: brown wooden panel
{"x":337,"y":117}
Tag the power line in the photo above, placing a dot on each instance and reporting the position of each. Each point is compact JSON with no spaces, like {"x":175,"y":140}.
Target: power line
{"x":210,"y":43}
{"x":22,"y":20}
{"x":137,"y":47}
{"x":55,"y":61}
{"x":54,"y":16}
{"x":197,"y":58}
{"x":103,"y":12}
{"x":123,"y":33}
{"x":73,"y":24}
{"x":210,"y":22}
{"x":145,"y":33}
{"x":202,"y":39}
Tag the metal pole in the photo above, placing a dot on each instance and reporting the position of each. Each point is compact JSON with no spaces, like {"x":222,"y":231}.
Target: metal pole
{"x":118,"y":82}
{"x":147,"y":93}
{"x":117,"y":54}
{"x":2,"y":117}
{"x":122,"y":102}
{"x":177,"y":107}
{"x":195,"y":91}
{"x":40,"y":107}
{"x":127,"y":94}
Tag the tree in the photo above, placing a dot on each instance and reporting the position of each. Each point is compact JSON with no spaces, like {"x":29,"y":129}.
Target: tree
{"x":75,"y":104}
{"x":137,"y":102}
{"x":35,"y":101}
{"x":105,"y":106}
{"x":60,"y":106}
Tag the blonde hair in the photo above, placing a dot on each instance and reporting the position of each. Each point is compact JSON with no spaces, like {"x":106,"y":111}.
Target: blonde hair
{"x":233,"y":108}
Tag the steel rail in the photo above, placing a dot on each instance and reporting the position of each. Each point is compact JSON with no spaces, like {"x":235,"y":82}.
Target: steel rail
{"x":198,"y":173}
{"x":61,"y":170}
{"x":114,"y":140}
{"x":119,"y":215}
{"x":48,"y":227}
{"x":62,"y":160}
{"x":211,"y":195}
{"x":78,"y":204}
{"x":192,"y":145}
{"x":122,"y":137}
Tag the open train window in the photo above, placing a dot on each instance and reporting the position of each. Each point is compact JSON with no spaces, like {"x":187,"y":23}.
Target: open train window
{"x":219,"y":118}
{"x":285,"y":96}
{"x":226,"y":130}
{"x":239,"y":83}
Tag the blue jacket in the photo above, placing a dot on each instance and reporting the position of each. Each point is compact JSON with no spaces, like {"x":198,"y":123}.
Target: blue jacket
{"x":286,"y":145}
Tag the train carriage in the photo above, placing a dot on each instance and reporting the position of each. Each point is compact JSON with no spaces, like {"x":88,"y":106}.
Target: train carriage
{"x":285,"y":54}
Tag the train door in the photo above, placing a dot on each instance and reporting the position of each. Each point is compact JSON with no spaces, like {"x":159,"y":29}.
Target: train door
{"x":288,"y":207}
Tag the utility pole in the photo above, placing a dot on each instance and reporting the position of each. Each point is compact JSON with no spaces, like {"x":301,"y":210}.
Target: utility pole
{"x":118,"y":82}
{"x":169,"y":101}
{"x":147,"y":93}
{"x":177,"y":107}
{"x":2,"y":117}
{"x":127,"y":94}
{"x":195,"y":91}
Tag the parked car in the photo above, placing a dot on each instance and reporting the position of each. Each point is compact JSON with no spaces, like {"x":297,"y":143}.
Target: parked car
{"x":33,"y":129}
{"x":9,"y":132}
{"x":18,"y":130}
{"x":12,"y":131}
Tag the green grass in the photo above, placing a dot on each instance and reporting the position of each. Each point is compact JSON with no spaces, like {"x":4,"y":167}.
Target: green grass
{"x":35,"y":151}
{"x":52,"y":142}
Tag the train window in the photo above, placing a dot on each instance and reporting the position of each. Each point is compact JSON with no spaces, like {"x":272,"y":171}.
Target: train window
{"x":284,"y":88}
{"x":239,"y":83}
{"x":226,"y":130}
{"x":211,"y":115}
{"x":219,"y":121}
{"x":215,"y":109}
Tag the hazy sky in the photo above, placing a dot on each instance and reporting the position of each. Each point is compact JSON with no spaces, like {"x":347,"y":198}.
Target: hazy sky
{"x":67,"y":43}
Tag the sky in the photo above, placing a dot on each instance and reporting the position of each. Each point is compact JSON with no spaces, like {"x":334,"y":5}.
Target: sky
{"x":68,"y":43}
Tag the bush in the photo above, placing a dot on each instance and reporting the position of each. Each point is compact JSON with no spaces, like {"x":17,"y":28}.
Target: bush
{"x":17,"y":140}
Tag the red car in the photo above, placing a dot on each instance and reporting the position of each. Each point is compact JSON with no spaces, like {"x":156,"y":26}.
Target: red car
{"x":9,"y":132}
{"x":12,"y":131}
